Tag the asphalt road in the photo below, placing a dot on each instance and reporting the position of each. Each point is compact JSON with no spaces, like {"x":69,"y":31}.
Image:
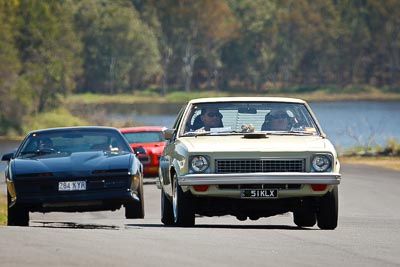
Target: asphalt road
{"x":368,"y":234}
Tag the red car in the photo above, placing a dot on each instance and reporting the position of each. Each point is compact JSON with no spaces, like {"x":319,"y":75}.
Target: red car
{"x":152,"y":140}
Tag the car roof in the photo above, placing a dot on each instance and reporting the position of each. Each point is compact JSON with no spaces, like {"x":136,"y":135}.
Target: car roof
{"x":148,"y":128}
{"x":246,"y":99}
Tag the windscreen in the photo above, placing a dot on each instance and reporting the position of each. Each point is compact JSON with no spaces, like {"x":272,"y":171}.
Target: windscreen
{"x":250,"y":117}
{"x":66,"y":142}
{"x":144,"y":137}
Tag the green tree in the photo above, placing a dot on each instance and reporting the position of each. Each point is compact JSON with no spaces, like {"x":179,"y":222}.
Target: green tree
{"x":219,"y":26}
{"x":120,"y":51}
{"x":15,"y":91}
{"x":189,"y":32}
{"x":178,"y":34}
{"x":48,"y":50}
{"x":384,"y":24}
{"x":354,"y":42}
{"x":248,"y":57}
{"x":305,"y":41}
{"x":150,"y":14}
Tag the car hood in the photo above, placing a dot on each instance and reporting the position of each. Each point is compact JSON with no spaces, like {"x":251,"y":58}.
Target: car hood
{"x":82,"y":162}
{"x":237,"y":143}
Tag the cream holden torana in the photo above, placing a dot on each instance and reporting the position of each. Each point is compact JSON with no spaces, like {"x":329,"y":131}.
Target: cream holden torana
{"x":249,"y":157}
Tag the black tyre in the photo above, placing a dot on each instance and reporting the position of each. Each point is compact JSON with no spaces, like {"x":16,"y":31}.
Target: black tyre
{"x":182,"y":206}
{"x":327,"y":215}
{"x":135,"y":209}
{"x":167,"y":213}
{"x":17,"y":216}
{"x":304,"y":218}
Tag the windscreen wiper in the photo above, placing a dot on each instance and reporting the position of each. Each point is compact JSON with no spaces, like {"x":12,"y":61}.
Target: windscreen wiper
{"x":197,"y":134}
{"x":291,"y":132}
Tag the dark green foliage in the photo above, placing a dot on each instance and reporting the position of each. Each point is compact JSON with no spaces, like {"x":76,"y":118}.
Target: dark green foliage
{"x":391,"y":89}
{"x":120,"y":51}
{"x":48,"y":50}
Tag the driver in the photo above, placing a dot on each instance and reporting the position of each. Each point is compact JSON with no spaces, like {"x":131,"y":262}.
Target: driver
{"x":277,"y":120}
{"x":45,"y":143}
{"x":211,"y":118}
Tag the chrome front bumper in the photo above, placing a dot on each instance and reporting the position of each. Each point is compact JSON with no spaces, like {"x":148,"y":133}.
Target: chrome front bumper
{"x":260,"y":178}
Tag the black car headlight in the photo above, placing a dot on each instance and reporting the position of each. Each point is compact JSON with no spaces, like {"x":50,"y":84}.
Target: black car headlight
{"x":198,"y":164}
{"x":321,"y":163}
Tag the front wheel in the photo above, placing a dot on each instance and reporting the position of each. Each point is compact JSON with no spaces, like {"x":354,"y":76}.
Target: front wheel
{"x":167,"y":213}
{"x":327,"y":215}
{"x":135,"y":209}
{"x":17,"y":216}
{"x":182,"y":206}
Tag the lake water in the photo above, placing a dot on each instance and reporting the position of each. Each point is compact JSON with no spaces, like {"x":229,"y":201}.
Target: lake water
{"x":346,"y":123}
{"x":349,"y":123}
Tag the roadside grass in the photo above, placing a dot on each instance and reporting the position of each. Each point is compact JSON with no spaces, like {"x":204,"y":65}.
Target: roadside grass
{"x":390,"y":162}
{"x":90,"y":98}
{"x":180,"y":97}
{"x":387,"y":156}
{"x":55,"y":118}
{"x":3,"y":209}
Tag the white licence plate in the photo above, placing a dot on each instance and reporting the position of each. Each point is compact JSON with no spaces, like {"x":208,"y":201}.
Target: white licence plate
{"x":72,"y":186}
{"x":259,"y":193}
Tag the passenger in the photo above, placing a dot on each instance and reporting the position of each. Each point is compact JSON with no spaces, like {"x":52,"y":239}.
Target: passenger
{"x":276,"y":121}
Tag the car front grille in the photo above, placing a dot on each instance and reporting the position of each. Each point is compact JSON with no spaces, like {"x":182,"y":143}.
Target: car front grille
{"x":259,"y":165}
{"x":50,"y":186}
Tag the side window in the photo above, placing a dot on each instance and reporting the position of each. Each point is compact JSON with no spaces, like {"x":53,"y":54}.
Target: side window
{"x":179,"y":117}
{"x":32,"y":145}
{"x":194,"y":122}
{"x":177,"y":123}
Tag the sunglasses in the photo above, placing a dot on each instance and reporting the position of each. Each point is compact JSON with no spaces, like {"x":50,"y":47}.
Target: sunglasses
{"x":213,"y":114}
{"x":279,"y":116}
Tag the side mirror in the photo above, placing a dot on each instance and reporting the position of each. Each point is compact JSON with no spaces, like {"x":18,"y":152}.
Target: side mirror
{"x":168,"y":134}
{"x":139,"y":150}
{"x":7,"y":157}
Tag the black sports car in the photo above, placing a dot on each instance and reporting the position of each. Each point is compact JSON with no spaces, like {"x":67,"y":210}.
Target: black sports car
{"x":73,"y":169}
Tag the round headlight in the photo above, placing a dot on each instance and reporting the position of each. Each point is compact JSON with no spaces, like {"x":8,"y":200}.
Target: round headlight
{"x":321,"y":163}
{"x":199,"y":163}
